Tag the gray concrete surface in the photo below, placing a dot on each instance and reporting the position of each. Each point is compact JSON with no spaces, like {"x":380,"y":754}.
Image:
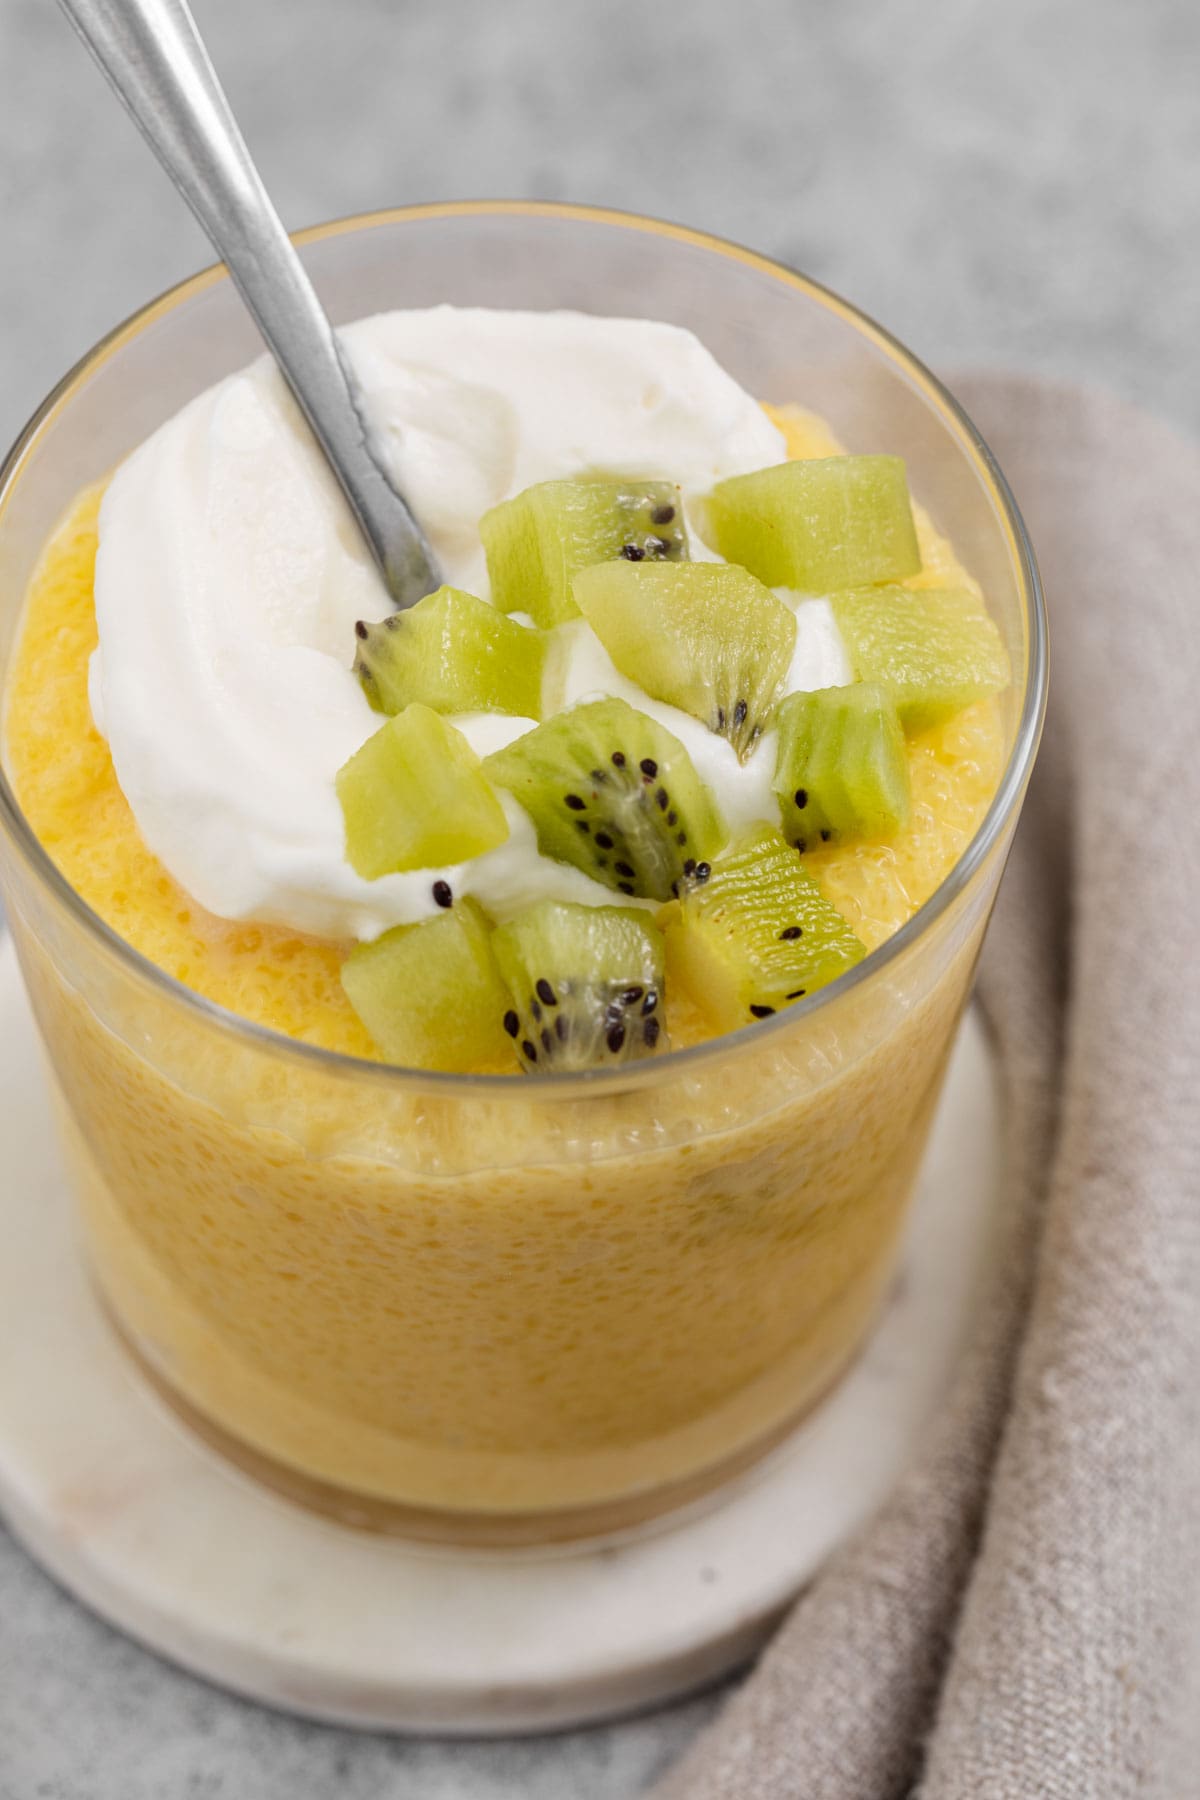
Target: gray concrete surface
{"x":997,"y":183}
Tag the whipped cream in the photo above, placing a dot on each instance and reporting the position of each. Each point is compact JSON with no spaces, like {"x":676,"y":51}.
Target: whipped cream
{"x":230,"y":575}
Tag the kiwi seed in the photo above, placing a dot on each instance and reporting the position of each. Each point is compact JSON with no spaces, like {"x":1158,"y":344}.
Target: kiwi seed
{"x":443,"y":893}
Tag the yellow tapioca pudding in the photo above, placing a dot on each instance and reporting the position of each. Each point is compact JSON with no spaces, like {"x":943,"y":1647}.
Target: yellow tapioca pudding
{"x":491,"y":1305}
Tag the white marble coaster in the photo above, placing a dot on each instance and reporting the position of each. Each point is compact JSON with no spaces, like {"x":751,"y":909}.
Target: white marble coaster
{"x":148,"y":1526}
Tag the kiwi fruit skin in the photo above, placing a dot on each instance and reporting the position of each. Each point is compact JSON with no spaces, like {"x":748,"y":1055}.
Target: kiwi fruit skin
{"x":705,"y":637}
{"x":816,"y":524}
{"x":431,"y":995}
{"x":537,"y":542}
{"x":453,"y":652}
{"x":757,"y":935}
{"x":586,"y":986}
{"x":415,"y":797}
{"x":937,"y":650}
{"x":616,"y":794}
{"x":841,"y":770}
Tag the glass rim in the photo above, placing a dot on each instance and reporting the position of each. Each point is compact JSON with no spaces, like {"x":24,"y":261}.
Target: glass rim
{"x":747,"y":1038}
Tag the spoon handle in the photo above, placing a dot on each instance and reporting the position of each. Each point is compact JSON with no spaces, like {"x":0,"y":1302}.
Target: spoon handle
{"x":153,"y":55}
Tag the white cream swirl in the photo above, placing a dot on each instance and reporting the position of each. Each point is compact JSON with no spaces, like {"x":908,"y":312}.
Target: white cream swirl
{"x":230,"y":575}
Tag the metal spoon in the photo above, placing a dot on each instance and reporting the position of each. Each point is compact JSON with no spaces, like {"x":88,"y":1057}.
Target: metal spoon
{"x":153,"y":55}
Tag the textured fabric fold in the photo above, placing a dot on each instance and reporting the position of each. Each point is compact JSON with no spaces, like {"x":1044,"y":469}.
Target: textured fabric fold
{"x":1023,"y":1617}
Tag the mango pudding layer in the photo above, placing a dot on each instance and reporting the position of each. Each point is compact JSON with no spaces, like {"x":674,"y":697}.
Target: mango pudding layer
{"x":703,"y":713}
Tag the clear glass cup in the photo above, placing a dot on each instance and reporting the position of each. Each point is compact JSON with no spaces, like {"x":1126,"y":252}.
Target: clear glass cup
{"x":483,"y":1308}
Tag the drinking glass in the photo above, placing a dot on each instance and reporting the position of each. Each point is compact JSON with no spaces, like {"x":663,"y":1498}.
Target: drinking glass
{"x":484,"y":1308}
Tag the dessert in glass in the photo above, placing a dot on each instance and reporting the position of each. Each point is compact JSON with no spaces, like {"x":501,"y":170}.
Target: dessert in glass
{"x":494,"y":1043}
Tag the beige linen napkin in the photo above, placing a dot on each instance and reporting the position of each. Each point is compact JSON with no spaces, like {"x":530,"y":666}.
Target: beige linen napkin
{"x":1023,"y":1618}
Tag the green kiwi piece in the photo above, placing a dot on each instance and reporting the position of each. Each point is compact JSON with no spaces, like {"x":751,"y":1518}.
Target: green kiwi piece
{"x":757,"y":935}
{"x":615,"y":793}
{"x":537,"y":542}
{"x":453,"y":652}
{"x":416,"y":797}
{"x":431,"y":995}
{"x":936,"y":649}
{"x":586,"y":985}
{"x":841,"y":770}
{"x":706,"y":637}
{"x":816,"y":523}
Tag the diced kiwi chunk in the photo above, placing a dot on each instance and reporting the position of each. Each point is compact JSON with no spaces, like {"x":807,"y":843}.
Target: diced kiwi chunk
{"x":586,"y":984}
{"x":453,"y":652}
{"x":416,"y":797}
{"x":706,"y":637}
{"x":757,"y":935}
{"x":936,"y":649}
{"x":431,"y":995}
{"x":841,"y":770}
{"x":615,"y":793}
{"x":816,"y":523}
{"x":537,"y":542}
